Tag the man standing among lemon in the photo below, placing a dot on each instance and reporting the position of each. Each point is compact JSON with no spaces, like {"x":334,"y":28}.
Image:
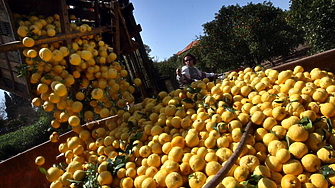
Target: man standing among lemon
{"x":189,"y":73}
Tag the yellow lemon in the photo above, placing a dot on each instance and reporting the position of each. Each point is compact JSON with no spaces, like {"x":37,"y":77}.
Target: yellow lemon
{"x":290,"y":181}
{"x":74,"y":120}
{"x":75,"y":59}
{"x":28,"y":42}
{"x":39,"y":160}
{"x":105,"y":178}
{"x":266,"y":183}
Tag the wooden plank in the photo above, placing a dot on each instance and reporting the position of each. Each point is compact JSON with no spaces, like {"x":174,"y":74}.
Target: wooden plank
{"x":116,"y":25}
{"x":128,"y":45}
{"x":5,"y":73}
{"x":81,"y":4}
{"x":10,"y":65}
{"x":324,"y":60}
{"x":97,"y":14}
{"x":40,"y":7}
{"x":16,"y":45}
{"x":83,"y":14}
{"x":64,"y":17}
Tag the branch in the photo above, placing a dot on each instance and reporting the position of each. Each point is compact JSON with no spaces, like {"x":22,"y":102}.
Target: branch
{"x":218,"y":177}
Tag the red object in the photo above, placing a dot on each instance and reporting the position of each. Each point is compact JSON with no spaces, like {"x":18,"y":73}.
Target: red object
{"x":21,"y":170}
{"x":188,"y":47}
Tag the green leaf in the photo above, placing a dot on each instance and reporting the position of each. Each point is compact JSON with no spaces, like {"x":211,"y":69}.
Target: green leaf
{"x":274,"y":133}
{"x":91,"y":177}
{"x":118,"y":167}
{"x":139,"y":135}
{"x":254,"y":179}
{"x":221,"y":127}
{"x":197,"y":90}
{"x":48,"y":77}
{"x":131,"y":124}
{"x":75,"y":181}
{"x":324,"y":134}
{"x":280,"y":101}
{"x":274,"y":94}
{"x":141,"y":113}
{"x":22,"y":70}
{"x":227,"y":100}
{"x":329,"y":125}
{"x":190,"y":89}
{"x":288,"y":141}
{"x":306,"y":123}
{"x":188,"y":100}
{"x":327,"y":171}
{"x":328,"y":147}
{"x":195,"y":98}
{"x":228,"y":108}
{"x":42,"y":170}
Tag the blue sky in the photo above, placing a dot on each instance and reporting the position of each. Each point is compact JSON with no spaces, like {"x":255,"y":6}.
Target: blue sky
{"x":169,"y":26}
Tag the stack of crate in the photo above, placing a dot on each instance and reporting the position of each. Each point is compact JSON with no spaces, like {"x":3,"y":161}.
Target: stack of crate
{"x":113,"y":20}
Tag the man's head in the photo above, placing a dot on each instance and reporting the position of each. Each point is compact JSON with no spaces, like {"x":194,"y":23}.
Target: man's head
{"x":189,"y":59}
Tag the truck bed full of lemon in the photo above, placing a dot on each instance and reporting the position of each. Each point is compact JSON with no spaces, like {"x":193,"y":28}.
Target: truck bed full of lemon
{"x":278,"y":123}
{"x":183,"y":138}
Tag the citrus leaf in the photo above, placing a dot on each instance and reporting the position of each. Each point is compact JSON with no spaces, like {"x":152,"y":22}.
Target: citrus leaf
{"x":188,"y":100}
{"x":227,"y":100}
{"x":328,"y":147}
{"x":190,"y":89}
{"x":330,"y":125}
{"x":274,"y":133}
{"x":139,"y":135}
{"x":195,"y":98}
{"x":206,"y":105}
{"x":74,"y":181}
{"x":43,"y":170}
{"x":118,"y":167}
{"x":326,"y":171}
{"x":306,"y":123}
{"x":281,"y":101}
{"x":91,"y":177}
{"x":324,"y":134}
{"x":288,"y":141}
{"x":48,"y":77}
{"x":197,"y":90}
{"x":141,"y":113}
{"x":228,"y":108}
{"x":254,"y":179}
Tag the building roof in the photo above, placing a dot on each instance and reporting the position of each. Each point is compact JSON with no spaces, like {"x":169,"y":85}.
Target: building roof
{"x":188,"y":47}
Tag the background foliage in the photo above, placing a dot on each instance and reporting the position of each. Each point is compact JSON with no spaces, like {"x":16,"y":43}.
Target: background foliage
{"x":315,"y":20}
{"x":247,"y":36}
{"x":241,"y":36}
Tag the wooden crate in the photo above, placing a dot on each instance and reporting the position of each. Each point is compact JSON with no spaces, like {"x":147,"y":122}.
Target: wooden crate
{"x":9,"y":60}
{"x":21,"y":170}
{"x":115,"y":24}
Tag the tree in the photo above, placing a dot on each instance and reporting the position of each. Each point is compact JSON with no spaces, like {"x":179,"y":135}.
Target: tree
{"x":147,"y":50}
{"x":245,"y":36}
{"x":2,"y":109}
{"x":315,"y":18}
{"x":9,"y":108}
{"x":13,"y":103}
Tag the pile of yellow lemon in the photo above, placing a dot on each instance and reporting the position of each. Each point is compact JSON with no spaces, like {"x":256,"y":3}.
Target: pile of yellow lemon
{"x":77,"y":81}
{"x":183,"y":138}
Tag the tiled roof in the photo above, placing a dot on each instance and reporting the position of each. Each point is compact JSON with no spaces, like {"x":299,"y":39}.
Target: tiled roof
{"x":188,"y":47}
